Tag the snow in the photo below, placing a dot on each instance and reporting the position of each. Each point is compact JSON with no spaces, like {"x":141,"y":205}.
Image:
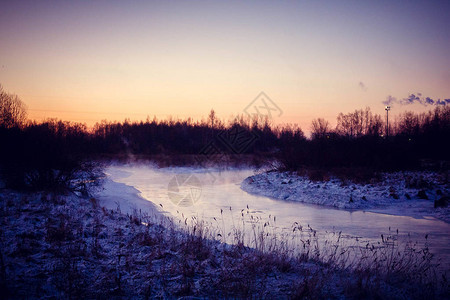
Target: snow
{"x":70,"y":247}
{"x":225,"y":208}
{"x":127,"y":198}
{"x":396,"y":193}
{"x":63,"y":246}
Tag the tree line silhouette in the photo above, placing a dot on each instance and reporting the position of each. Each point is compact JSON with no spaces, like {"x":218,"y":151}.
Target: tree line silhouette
{"x":57,"y":153}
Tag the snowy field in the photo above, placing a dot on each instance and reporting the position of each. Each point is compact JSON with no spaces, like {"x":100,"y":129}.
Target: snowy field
{"x":396,"y":193}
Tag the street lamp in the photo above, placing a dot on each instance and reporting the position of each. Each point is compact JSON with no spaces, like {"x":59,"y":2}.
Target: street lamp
{"x":387,"y":109}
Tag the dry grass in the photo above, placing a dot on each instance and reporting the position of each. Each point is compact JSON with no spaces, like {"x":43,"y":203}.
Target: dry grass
{"x":65,"y":247}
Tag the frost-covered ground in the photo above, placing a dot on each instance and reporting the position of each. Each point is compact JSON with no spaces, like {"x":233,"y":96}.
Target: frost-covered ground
{"x":395,"y":193}
{"x":67,"y":247}
{"x":56,"y":246}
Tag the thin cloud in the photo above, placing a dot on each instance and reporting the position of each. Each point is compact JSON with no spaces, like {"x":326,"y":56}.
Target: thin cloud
{"x":362,"y":86}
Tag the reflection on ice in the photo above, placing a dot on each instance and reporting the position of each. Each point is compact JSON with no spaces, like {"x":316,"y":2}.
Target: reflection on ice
{"x":233,"y":216}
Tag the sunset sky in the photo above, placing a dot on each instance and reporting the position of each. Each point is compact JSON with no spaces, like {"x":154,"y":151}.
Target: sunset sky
{"x":91,"y":60}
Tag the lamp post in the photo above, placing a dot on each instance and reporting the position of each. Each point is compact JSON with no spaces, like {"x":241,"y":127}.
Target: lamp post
{"x":387,"y":109}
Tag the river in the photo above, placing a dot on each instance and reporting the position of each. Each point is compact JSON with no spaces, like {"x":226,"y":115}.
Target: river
{"x":216,"y":197}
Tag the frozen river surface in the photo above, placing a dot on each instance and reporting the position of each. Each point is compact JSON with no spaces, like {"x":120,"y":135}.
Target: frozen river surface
{"x":216,"y":197}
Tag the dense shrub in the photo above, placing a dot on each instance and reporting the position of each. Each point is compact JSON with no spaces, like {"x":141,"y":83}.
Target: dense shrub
{"x":53,"y":154}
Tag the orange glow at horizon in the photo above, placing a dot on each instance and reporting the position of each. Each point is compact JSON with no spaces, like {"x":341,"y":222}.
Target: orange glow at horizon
{"x":87,"y":62}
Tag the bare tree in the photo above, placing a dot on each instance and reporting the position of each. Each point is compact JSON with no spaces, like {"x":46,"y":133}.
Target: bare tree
{"x":375,"y":126}
{"x":359,"y":123}
{"x":409,"y":124}
{"x":12,"y":110}
{"x":212,"y":117}
{"x":320,"y":128}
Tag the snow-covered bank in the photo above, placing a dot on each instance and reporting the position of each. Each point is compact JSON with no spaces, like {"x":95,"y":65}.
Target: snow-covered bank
{"x":222,"y":203}
{"x":127,"y":198}
{"x":397,"y":193}
{"x":63,"y":247}
{"x":59,"y":246}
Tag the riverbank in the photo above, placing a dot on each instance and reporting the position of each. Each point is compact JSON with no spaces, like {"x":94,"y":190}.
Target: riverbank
{"x":64,"y":246}
{"x":402,"y":193}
